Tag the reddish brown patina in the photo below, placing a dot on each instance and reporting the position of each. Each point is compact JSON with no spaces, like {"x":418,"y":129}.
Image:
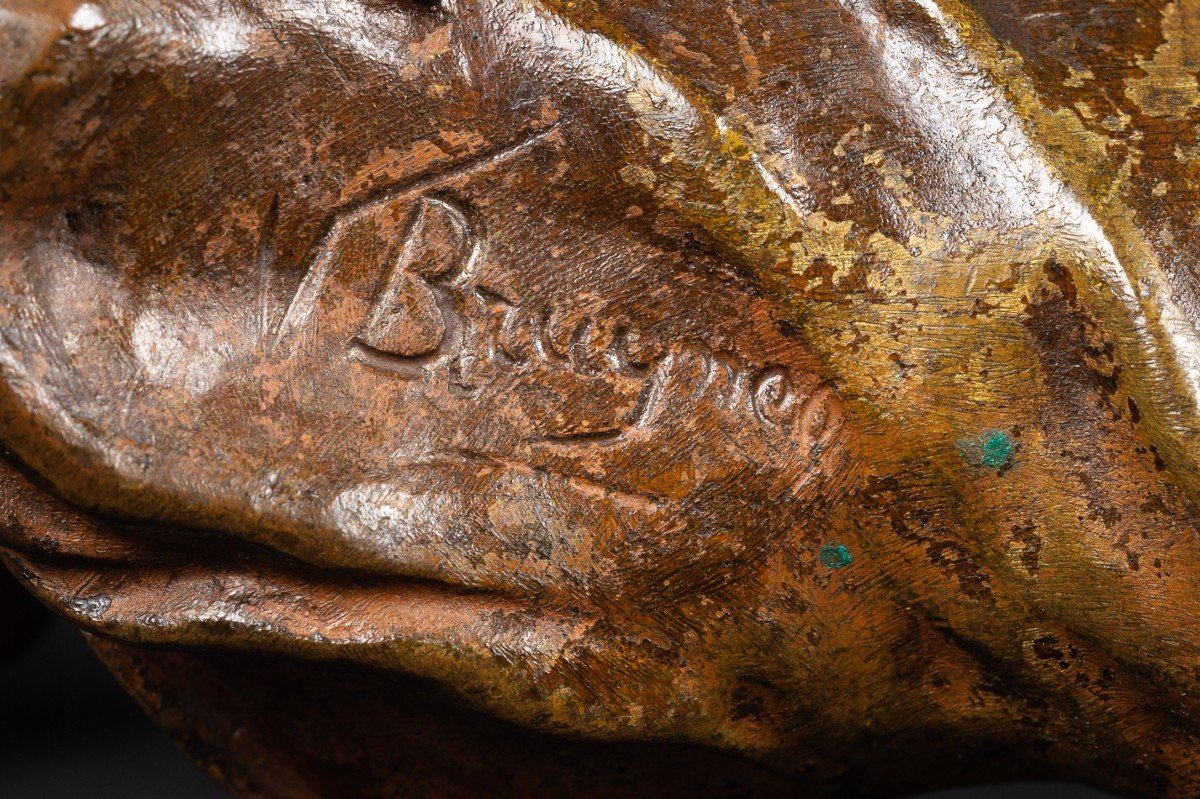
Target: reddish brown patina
{"x":532,"y":397}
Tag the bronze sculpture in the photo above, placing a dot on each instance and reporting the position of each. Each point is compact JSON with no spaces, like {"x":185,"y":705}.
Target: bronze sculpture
{"x":751,"y":397}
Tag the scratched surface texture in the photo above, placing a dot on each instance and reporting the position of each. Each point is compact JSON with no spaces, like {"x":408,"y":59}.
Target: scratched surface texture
{"x":546,"y":397}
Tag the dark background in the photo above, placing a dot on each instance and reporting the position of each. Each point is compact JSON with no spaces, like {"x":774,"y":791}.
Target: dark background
{"x":67,"y":731}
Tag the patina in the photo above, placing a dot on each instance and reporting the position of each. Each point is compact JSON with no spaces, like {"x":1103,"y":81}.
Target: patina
{"x":525,"y":397}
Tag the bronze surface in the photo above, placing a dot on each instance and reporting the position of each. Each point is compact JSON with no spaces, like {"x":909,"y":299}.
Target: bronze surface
{"x":752,"y":397}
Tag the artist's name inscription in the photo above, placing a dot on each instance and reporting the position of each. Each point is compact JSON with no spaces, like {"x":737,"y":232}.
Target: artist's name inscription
{"x":433,"y":316}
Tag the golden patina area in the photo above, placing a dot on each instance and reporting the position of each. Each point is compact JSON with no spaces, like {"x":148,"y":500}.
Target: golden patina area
{"x":518,"y":397}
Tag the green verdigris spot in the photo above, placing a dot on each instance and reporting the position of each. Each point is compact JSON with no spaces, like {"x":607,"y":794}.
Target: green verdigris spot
{"x":834,"y":556}
{"x":992,"y":449}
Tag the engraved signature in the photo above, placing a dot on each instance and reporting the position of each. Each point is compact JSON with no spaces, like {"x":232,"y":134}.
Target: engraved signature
{"x":432,"y":313}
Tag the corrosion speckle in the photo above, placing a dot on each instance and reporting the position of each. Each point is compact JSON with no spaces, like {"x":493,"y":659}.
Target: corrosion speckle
{"x":834,"y":556}
{"x":992,"y":449}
